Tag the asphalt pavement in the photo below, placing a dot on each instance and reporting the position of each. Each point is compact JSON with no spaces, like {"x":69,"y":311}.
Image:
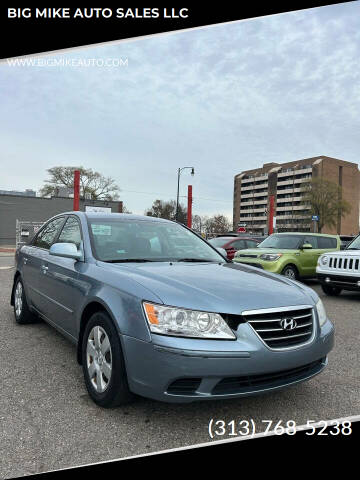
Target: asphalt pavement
{"x":47,"y":420}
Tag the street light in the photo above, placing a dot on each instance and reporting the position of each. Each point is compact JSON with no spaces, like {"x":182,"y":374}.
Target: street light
{"x":178,"y":184}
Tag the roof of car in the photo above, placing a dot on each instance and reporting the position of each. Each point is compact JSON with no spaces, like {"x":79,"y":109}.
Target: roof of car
{"x":116,"y":216}
{"x":306,"y":233}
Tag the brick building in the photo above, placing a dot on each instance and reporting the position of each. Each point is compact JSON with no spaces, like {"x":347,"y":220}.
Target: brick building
{"x":252,"y":189}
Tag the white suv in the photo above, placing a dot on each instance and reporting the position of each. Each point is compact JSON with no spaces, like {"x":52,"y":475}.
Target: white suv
{"x":339,"y":271}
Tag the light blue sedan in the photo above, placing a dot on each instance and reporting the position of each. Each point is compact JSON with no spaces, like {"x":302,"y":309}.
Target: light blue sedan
{"x":154,"y":310}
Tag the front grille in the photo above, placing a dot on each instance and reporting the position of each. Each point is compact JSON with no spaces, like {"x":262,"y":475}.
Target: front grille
{"x":184,"y":386}
{"x":244,"y":255}
{"x":259,"y":382}
{"x":344,"y":263}
{"x":282,"y":328}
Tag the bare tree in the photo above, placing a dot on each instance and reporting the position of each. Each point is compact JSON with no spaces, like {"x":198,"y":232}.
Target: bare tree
{"x":162,"y":209}
{"x":93,"y":185}
{"x":325,"y":200}
{"x":217,"y":224}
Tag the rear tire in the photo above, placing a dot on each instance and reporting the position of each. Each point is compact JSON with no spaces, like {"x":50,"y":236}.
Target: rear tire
{"x":103,"y":363}
{"x":331,"y":291}
{"x":290,"y":272}
{"x":22,"y":313}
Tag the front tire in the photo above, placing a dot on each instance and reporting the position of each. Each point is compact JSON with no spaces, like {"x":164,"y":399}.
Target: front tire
{"x":290,"y":272}
{"x":22,"y":313}
{"x":331,"y":291}
{"x":103,"y":363}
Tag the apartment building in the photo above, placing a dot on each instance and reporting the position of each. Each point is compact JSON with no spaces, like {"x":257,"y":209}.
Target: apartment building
{"x":253,"y":188}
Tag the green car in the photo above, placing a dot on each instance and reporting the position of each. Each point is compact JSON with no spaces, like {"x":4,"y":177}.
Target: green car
{"x":294,"y":255}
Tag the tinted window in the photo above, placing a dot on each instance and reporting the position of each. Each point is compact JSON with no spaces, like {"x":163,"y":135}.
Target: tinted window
{"x":326,"y":242}
{"x":281,"y":241}
{"x":218,"y":242}
{"x":312,"y":240}
{"x":251,"y":244}
{"x":239,"y":244}
{"x":71,"y":232}
{"x":47,"y":235}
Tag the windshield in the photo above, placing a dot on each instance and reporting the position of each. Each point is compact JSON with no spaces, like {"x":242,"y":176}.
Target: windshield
{"x":116,"y":240}
{"x":354,"y":245}
{"x":281,"y":242}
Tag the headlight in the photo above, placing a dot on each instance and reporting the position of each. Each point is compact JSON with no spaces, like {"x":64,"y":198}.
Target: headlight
{"x":323,"y":260}
{"x":321,"y":312}
{"x":270,"y":257}
{"x":186,"y":323}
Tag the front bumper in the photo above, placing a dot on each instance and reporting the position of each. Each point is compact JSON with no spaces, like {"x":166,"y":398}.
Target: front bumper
{"x":185,"y":370}
{"x":273,"y":267}
{"x":346,"y":282}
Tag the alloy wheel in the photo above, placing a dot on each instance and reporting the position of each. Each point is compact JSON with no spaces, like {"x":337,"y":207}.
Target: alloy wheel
{"x":289,"y":273}
{"x":18,"y":299}
{"x":99,"y":359}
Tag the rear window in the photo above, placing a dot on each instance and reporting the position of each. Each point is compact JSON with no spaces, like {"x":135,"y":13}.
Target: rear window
{"x":218,"y":242}
{"x":327,"y":242}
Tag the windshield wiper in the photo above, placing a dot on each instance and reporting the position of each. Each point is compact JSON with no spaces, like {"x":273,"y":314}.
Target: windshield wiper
{"x":129,"y":260}
{"x":195,"y":260}
{"x":352,"y":248}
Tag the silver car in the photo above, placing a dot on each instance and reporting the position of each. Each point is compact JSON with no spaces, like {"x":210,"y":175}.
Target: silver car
{"x":154,"y":310}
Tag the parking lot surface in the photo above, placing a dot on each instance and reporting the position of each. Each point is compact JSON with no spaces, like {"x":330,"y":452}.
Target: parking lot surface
{"x":47,"y":420}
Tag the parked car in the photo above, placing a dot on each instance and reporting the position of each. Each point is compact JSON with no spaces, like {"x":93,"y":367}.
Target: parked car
{"x":291,"y":254}
{"x":340,"y":270}
{"x":232,"y":245}
{"x":146,"y":320}
{"x":345,"y":240}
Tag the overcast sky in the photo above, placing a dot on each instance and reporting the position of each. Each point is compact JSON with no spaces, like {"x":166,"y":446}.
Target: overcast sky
{"x":222,"y":99}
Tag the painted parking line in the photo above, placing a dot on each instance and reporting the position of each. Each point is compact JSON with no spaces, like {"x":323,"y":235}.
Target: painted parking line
{"x":6,"y":268}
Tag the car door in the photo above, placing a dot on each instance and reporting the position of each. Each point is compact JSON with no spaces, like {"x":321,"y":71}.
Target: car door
{"x":60,"y":280}
{"x":32,"y":257}
{"x":310,"y":256}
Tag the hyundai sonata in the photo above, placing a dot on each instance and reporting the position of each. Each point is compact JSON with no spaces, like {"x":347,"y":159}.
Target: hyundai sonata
{"x":154,"y":310}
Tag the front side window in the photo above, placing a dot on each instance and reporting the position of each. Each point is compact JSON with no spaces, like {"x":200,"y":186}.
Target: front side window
{"x":239,"y":244}
{"x":71,"y":232}
{"x":140,"y":240}
{"x":251,"y":244}
{"x":281,"y":242}
{"x":312,"y":240}
{"x":47,"y":235}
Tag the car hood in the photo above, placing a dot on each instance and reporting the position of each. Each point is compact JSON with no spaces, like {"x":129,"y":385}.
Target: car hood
{"x":256,"y":252}
{"x":341,"y":253}
{"x":227,"y":288}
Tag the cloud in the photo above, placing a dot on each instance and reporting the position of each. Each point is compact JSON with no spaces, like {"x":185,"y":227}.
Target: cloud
{"x":222,"y":99}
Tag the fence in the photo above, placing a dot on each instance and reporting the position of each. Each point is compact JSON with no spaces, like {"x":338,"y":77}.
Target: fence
{"x":25,"y":230}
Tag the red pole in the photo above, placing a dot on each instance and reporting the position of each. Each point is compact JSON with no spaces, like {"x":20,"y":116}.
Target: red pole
{"x":189,"y":210}
{"x":271,"y":214}
{"x":76,"y":189}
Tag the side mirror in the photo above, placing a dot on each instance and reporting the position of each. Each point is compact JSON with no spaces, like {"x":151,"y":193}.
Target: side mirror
{"x":306,"y":246}
{"x":65,"y":250}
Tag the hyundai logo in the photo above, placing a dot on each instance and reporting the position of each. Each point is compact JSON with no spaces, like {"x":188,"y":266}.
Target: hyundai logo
{"x":288,"y":323}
